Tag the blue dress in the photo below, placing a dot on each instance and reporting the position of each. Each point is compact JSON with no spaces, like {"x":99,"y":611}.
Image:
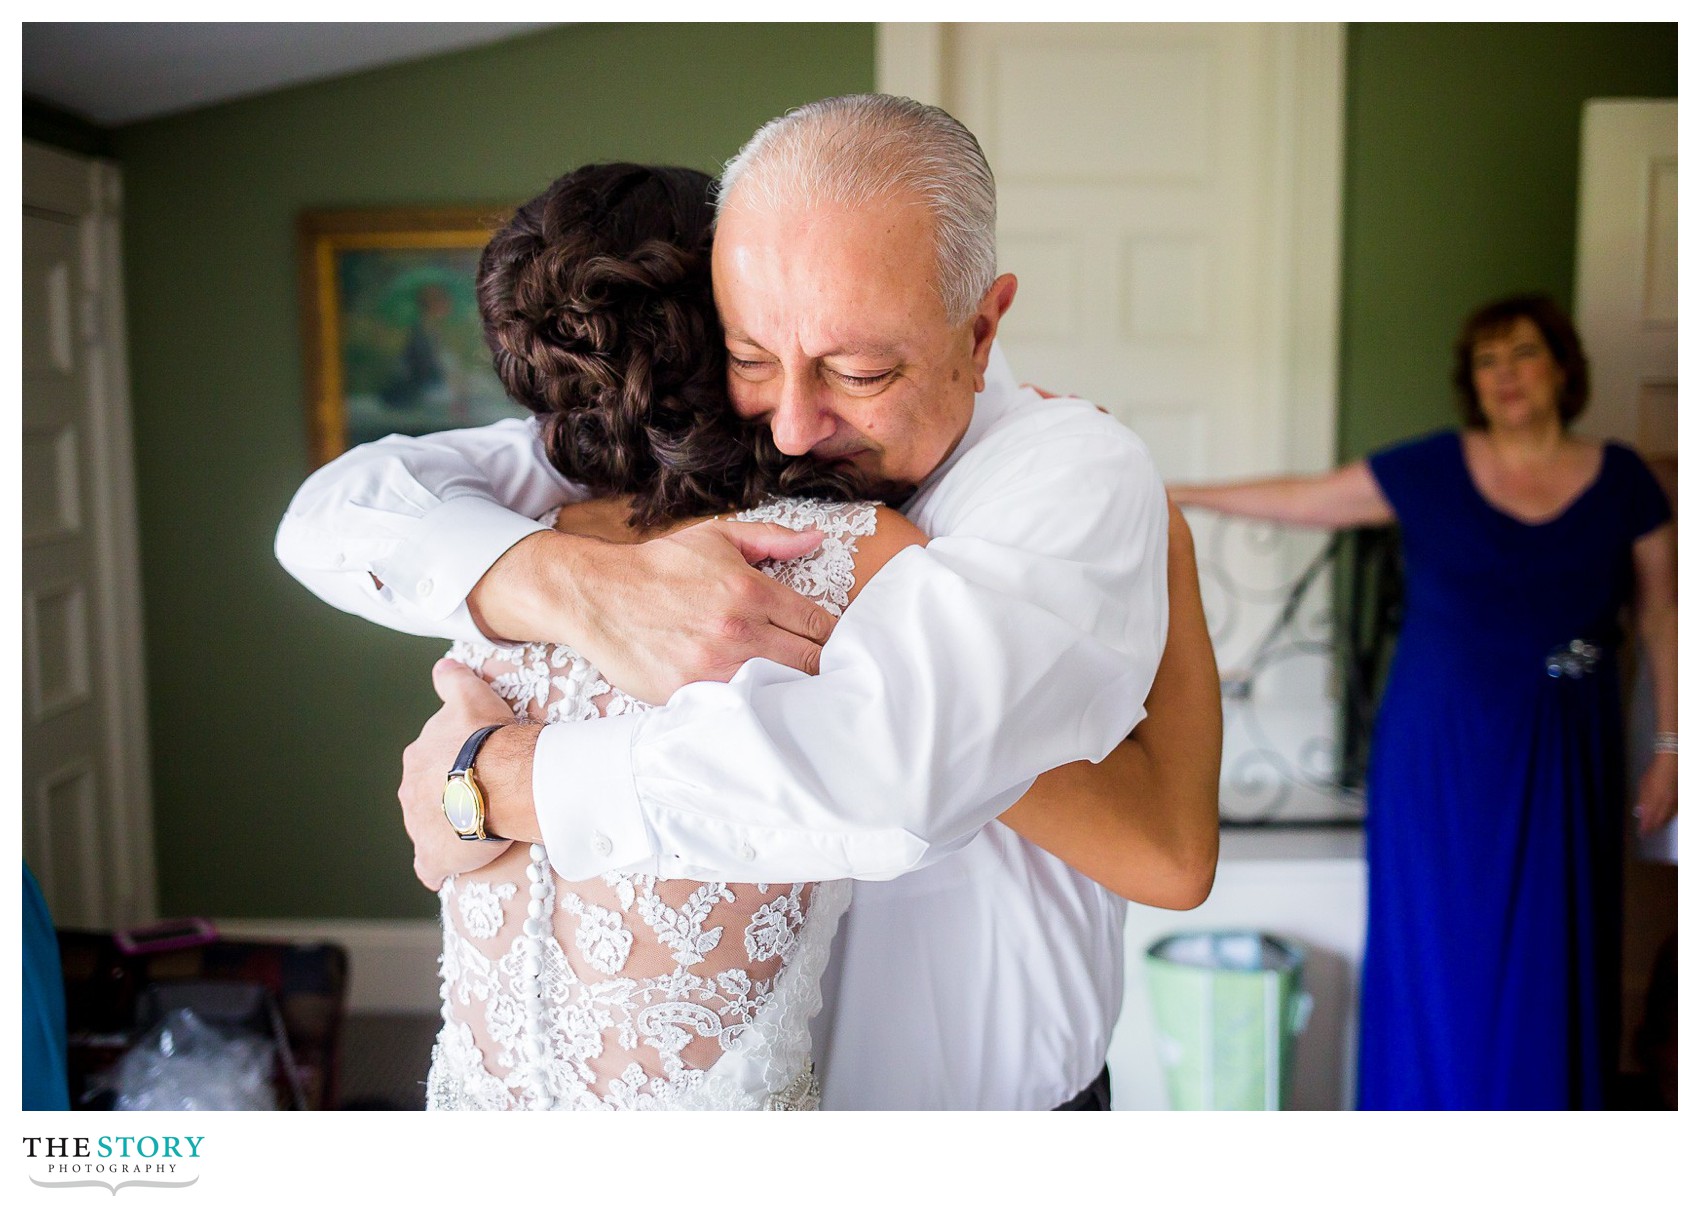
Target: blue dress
{"x":1496,"y":791}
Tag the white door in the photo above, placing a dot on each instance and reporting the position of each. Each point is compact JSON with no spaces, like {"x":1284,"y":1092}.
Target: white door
{"x":87,"y":823}
{"x":1626,"y":271}
{"x":1626,"y":292}
{"x":1169,"y":200}
{"x":1626,"y":312}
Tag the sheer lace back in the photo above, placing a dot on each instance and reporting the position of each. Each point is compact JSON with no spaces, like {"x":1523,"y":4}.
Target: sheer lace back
{"x":629,"y":991}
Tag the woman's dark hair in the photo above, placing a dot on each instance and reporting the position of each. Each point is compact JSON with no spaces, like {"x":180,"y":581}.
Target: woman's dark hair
{"x":1494,"y":320}
{"x":598,"y":310}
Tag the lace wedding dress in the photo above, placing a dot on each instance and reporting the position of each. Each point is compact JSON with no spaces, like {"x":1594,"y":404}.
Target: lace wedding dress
{"x":630,"y":992}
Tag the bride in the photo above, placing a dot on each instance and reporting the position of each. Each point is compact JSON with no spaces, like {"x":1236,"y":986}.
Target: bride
{"x":628,"y":991}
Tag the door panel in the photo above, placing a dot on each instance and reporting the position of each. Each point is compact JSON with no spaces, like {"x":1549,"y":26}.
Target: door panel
{"x":86,"y":826}
{"x":1626,"y":272}
{"x":1168,"y":200}
{"x":1151,"y":204}
{"x":1626,"y":312}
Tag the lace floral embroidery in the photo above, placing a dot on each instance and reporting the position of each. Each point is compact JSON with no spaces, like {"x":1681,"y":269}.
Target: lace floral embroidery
{"x":829,"y":574}
{"x":630,"y":992}
{"x":601,"y":938}
{"x":773,"y":929}
{"x":481,"y":908}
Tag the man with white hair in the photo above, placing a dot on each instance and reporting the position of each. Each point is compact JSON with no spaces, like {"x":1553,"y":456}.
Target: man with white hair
{"x":854,"y":270}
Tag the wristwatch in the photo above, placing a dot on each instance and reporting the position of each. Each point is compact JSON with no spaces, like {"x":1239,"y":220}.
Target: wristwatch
{"x":463,"y":798}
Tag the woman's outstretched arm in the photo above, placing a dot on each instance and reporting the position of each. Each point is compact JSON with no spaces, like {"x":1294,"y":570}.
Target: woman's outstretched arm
{"x":1333,"y":500}
{"x":1143,"y":822}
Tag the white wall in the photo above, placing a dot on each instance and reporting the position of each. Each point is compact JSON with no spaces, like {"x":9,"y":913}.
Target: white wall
{"x":1307,"y":886}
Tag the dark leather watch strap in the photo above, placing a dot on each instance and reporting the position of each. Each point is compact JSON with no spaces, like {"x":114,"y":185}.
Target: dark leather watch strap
{"x":469,"y":751}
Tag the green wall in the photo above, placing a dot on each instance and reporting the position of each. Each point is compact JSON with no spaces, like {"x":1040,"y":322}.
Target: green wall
{"x":277,"y":723}
{"x":1461,"y":161}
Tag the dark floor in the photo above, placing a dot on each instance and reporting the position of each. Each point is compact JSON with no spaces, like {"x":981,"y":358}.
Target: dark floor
{"x":384,"y":1060}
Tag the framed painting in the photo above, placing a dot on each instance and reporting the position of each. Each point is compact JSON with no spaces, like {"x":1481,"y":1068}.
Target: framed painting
{"x":390,"y":324}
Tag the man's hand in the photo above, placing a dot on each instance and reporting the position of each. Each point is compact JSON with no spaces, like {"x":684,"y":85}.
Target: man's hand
{"x":468,"y":705}
{"x":655,"y":616}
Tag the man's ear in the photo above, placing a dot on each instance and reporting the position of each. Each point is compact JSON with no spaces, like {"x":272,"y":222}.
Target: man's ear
{"x":985,"y":324}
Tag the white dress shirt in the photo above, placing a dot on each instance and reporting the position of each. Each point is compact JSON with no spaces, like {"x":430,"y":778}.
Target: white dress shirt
{"x":981,"y":972}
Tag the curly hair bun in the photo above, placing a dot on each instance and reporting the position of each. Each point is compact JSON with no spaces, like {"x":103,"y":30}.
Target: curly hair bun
{"x":599,"y":313}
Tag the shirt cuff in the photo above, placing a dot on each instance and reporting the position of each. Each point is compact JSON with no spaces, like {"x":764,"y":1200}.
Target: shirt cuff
{"x":586,"y":803}
{"x":456,"y":544}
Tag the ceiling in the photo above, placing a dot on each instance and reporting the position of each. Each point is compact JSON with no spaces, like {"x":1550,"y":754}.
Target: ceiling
{"x":115,"y":73}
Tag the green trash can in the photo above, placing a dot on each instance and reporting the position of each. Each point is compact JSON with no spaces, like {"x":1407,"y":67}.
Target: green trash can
{"x":1228,"y":1007}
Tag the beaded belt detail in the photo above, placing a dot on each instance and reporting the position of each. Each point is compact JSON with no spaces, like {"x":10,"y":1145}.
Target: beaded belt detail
{"x":1576,"y":659}
{"x":801,"y":1094}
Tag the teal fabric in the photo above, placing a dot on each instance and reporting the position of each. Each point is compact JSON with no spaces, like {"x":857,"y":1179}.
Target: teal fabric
{"x":44,"y":1007}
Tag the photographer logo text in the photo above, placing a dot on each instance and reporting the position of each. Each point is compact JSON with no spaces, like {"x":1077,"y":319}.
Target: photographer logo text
{"x":113,"y":1162}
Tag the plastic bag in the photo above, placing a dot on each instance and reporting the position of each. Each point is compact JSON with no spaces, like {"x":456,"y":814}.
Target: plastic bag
{"x":186,"y":1064}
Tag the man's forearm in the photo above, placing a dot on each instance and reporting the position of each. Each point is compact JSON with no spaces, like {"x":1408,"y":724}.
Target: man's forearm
{"x":531,"y":593}
{"x":1024,"y":638}
{"x":399,"y":531}
{"x":504,"y":772}
{"x":744,"y":781}
{"x":963,"y":671}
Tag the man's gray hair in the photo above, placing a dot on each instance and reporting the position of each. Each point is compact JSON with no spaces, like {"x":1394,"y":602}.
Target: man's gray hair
{"x":848,"y":151}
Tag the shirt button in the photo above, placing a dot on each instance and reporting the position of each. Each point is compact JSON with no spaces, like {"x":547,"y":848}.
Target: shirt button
{"x":424,"y":587}
{"x":341,"y":560}
{"x":599,"y":842}
{"x":747,"y":852}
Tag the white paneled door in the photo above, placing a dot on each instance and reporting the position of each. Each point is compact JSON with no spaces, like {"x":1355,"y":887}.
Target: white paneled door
{"x":1169,"y":201}
{"x":87,"y":824}
{"x":1626,"y":271}
{"x":1145,"y":184}
{"x":1626,"y":307}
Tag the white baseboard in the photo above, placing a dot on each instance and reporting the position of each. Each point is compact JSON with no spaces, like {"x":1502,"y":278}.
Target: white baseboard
{"x":392,"y":965}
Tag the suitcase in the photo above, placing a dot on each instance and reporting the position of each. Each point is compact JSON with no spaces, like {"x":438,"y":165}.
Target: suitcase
{"x":293,"y":993}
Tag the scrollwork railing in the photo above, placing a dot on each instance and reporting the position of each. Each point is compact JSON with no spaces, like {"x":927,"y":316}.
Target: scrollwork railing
{"x":1300,"y":654}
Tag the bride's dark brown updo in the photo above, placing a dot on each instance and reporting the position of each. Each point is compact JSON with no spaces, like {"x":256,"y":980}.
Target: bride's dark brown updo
{"x":598,"y":309}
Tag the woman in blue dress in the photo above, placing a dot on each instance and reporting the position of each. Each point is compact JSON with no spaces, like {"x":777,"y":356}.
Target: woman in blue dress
{"x":1496,"y":775}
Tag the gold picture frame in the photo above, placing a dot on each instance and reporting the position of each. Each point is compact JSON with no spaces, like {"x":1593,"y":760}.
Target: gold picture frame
{"x":390,"y":332}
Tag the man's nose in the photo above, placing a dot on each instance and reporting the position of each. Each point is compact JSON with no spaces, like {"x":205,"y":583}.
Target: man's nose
{"x":800,"y":421}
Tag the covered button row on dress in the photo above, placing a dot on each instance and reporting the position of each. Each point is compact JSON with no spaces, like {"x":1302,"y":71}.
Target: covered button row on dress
{"x":1573,"y":660}
{"x":531,"y":976}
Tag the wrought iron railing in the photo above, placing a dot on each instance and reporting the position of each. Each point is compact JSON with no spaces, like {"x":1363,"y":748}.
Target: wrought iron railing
{"x":1303,"y":626}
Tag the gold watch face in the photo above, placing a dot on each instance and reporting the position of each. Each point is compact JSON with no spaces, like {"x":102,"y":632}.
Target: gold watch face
{"x":463,"y":805}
